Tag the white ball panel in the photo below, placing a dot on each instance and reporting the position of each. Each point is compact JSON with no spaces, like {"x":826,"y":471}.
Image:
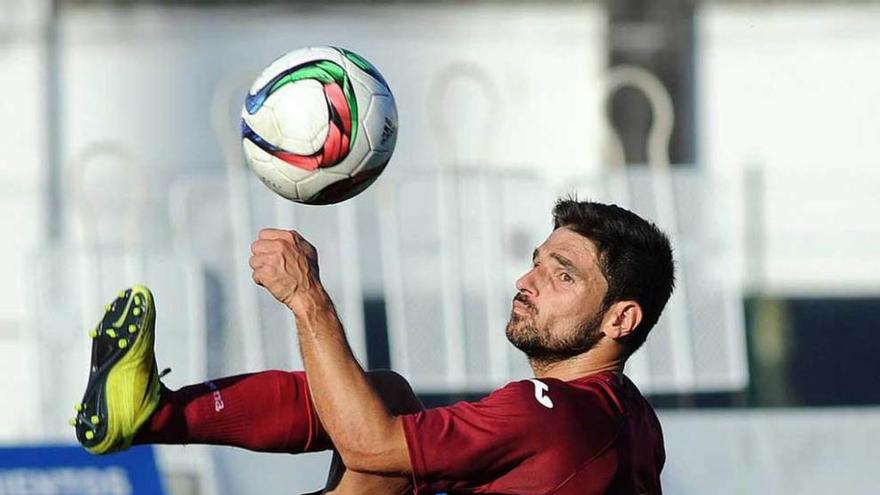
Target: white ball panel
{"x":380,"y":123}
{"x":319,"y":139}
{"x":363,"y":163}
{"x":254,"y":153}
{"x":327,"y":53}
{"x":292,"y":172}
{"x":358,"y":150}
{"x":373,"y":160}
{"x":361,"y":145}
{"x":301,"y":113}
{"x":363,"y":93}
{"x":291,"y":60}
{"x":277,"y":66}
{"x":262,"y":165}
{"x":245,"y":115}
{"x":300,"y":146}
{"x":366,"y":80}
{"x":318,"y":181}
{"x":264,"y":124}
{"x":345,"y":166}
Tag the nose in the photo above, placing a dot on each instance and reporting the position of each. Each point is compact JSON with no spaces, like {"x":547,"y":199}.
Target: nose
{"x":526,"y":284}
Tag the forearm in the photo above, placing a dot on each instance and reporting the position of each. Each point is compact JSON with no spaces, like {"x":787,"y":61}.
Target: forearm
{"x":367,"y":436}
{"x":364,"y":431}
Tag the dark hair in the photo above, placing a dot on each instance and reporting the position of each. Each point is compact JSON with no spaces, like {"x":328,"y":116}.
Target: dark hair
{"x":634,"y":255}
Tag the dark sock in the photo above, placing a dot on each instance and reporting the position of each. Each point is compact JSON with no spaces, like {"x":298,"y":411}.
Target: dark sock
{"x":271,"y":411}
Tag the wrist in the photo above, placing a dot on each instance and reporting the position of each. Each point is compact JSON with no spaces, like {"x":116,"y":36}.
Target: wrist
{"x":309,"y":300}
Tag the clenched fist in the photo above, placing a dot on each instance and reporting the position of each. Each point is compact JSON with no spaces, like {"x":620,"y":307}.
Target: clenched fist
{"x":286,"y":265}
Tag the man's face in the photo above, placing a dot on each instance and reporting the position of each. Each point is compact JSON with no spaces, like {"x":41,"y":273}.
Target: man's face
{"x":557,"y":311}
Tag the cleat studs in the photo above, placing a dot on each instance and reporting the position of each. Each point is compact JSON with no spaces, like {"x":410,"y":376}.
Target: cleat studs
{"x":132,"y":328}
{"x":78,"y":407}
{"x":137,"y":300}
{"x":90,"y":435}
{"x":111,"y":333}
{"x":137,"y":311}
{"x":95,"y":420}
{"x":106,"y":308}
{"x":93,"y":333}
{"x":121,"y":293}
{"x":123,"y":344}
{"x":72,"y":421}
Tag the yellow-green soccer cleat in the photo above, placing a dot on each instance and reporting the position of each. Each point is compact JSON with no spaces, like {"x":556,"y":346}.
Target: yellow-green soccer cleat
{"x":123,"y":388}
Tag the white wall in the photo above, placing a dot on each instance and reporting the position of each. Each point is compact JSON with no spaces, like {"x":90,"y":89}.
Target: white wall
{"x":22,"y":194}
{"x":792,"y":90}
{"x":22,"y":146}
{"x":783,"y":452}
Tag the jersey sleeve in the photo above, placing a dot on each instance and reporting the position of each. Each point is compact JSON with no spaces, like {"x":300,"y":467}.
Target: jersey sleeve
{"x":469,"y":444}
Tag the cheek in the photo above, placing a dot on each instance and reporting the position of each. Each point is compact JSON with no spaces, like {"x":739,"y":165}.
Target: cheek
{"x":565,"y":314}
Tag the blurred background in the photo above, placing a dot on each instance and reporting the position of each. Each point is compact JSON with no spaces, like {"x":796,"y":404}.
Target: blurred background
{"x":746,"y":129}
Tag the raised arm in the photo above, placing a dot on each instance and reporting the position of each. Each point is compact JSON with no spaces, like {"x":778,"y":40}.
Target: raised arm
{"x":368,"y":437}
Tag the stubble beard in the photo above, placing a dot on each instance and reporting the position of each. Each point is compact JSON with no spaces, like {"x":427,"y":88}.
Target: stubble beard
{"x":541,"y":347}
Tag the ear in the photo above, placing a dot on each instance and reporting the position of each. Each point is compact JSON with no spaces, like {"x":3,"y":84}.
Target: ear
{"x":622,"y":318}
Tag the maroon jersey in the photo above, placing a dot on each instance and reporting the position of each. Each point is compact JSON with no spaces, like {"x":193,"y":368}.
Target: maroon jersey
{"x":593,"y":435}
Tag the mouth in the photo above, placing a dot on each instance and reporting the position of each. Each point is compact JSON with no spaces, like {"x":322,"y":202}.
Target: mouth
{"x":520,"y":305}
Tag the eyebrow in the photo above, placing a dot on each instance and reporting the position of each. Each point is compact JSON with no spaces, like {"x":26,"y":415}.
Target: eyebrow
{"x":566,"y":263}
{"x":562,"y":260}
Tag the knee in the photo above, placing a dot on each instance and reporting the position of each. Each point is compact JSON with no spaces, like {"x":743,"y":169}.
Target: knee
{"x":395,"y":391}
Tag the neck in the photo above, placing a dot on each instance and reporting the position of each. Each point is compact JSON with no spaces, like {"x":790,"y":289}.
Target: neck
{"x":601,"y":358}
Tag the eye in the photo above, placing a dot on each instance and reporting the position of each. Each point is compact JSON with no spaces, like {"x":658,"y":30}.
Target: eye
{"x":566,"y":278}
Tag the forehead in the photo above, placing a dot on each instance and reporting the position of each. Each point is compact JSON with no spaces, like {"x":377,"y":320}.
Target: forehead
{"x":577,"y":248}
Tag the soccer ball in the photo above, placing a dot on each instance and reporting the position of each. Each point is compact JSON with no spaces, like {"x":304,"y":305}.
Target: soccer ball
{"x":319,"y":125}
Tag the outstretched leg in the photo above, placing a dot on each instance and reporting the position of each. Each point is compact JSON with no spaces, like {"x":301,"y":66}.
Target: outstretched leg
{"x":271,"y":411}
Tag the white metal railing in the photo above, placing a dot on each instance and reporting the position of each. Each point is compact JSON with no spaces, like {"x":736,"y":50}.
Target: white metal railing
{"x":659,"y":137}
{"x":711,"y":249}
{"x":425,"y":297}
{"x":199,"y":205}
{"x":413,"y":290}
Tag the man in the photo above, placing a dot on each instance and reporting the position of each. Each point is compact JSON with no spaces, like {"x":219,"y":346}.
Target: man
{"x":597,"y":286}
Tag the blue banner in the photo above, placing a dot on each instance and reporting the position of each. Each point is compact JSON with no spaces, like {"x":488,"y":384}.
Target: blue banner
{"x":70,"y":470}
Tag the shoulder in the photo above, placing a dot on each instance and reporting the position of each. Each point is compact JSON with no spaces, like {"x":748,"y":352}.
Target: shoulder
{"x":532,"y":393}
{"x":581,"y":400}
{"x":517,"y":405}
{"x":546,"y":402}
{"x":578,"y":418}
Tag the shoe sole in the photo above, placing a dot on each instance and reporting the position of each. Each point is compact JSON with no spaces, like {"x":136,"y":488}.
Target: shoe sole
{"x":118,"y":344}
